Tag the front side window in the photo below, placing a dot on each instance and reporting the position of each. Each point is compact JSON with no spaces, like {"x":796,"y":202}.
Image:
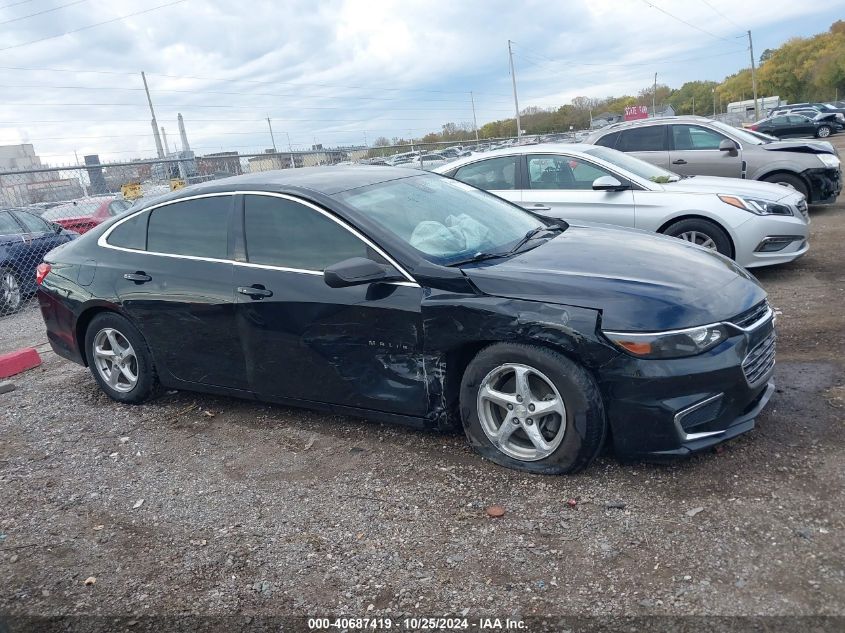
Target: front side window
{"x":199,"y":228}
{"x":493,"y":174}
{"x":285,"y":233}
{"x":649,"y":138}
{"x":8,"y":226}
{"x":693,"y":137}
{"x":445,"y":220}
{"x":32,"y":223}
{"x":562,"y":172}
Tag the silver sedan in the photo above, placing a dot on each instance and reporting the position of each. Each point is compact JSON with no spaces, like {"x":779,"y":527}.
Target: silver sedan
{"x":755,"y":223}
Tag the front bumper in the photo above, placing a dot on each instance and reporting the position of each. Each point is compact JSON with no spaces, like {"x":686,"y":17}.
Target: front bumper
{"x":825,"y":184}
{"x":755,"y":231}
{"x":659,"y":408}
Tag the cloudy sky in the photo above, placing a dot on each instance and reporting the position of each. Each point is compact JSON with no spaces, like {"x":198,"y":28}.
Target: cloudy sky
{"x":340,"y":72}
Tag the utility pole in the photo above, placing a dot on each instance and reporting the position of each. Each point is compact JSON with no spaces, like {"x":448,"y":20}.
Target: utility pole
{"x":474,"y":122}
{"x":272,"y":138}
{"x":164,"y":141}
{"x":714,"y":103}
{"x":693,"y":105}
{"x":159,"y":150}
{"x":654,"y":98}
{"x":753,"y":78}
{"x":515,"y":100}
{"x":290,"y":149}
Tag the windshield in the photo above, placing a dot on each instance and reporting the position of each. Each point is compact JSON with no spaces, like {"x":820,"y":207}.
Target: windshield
{"x":633,"y":165}
{"x":736,"y":132}
{"x":445,"y":220}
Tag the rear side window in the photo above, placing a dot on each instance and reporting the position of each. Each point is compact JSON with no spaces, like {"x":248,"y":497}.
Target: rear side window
{"x":131,"y":233}
{"x":199,"y":228}
{"x":608,"y":140}
{"x":33,"y":223}
{"x":492,"y":174}
{"x":8,"y":226}
{"x":288,"y":234}
{"x":651,"y":138}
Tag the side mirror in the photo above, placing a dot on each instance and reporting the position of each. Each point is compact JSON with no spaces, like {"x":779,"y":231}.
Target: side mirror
{"x":356,"y":271}
{"x":727,"y":145}
{"x":607,"y":183}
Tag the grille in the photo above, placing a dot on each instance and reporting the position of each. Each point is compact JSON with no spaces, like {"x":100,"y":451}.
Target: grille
{"x":802,"y":208}
{"x":760,"y":360}
{"x":751,"y":316}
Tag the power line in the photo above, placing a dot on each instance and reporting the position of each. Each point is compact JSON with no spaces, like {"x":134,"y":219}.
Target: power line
{"x":689,"y":24}
{"x":631,"y":65}
{"x":722,"y":14}
{"x":188,"y":106}
{"x":14,"y":4}
{"x":91,"y":26}
{"x":32,"y":15}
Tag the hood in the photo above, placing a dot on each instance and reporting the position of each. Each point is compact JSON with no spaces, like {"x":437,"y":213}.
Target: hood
{"x":735,"y":186}
{"x":806,"y":147}
{"x":639,"y":281}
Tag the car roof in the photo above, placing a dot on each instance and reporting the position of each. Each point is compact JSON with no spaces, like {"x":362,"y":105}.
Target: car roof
{"x":653,"y":121}
{"x":535,"y":148}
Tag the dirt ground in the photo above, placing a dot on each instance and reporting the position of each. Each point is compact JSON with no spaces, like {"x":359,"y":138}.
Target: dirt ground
{"x":204,"y":505}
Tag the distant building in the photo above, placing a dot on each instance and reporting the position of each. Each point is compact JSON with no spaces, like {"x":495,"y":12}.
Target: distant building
{"x":746,"y":108}
{"x":182,"y":165}
{"x":96,"y":179}
{"x":219,"y":165}
{"x":24,"y":180}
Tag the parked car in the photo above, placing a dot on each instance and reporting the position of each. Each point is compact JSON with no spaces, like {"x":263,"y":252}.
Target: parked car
{"x":816,"y":112}
{"x":827,"y":108}
{"x":409,"y":297}
{"x":84,"y":214}
{"x":24,"y":240}
{"x":692,"y":146}
{"x":795,"y":125}
{"x":755,"y":223}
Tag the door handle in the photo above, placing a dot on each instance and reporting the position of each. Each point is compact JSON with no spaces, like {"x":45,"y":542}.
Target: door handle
{"x":139,"y":277}
{"x":680,"y":161}
{"x":539,"y":207}
{"x":255,"y":291}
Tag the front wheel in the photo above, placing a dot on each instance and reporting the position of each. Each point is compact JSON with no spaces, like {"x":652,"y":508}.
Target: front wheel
{"x":703,"y":233}
{"x":531,"y":409}
{"x":823,"y":131}
{"x":11,"y":296}
{"x":119,"y":359}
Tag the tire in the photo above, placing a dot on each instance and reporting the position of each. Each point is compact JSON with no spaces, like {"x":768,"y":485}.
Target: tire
{"x":702,"y":232}
{"x":790,"y":180}
{"x":11,"y":294}
{"x":111,"y":332}
{"x":823,"y":131}
{"x":572,"y":439}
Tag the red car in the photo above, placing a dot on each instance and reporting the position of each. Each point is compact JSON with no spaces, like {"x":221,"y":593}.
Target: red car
{"x":84,"y":214}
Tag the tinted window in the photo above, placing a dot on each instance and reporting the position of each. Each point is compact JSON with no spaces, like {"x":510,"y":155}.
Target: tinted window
{"x":562,"y":172}
{"x":779,"y":120}
{"x":608,"y":140}
{"x":33,"y":223}
{"x":491,"y":174}
{"x":649,"y":138}
{"x":131,"y":234}
{"x":691,"y":137}
{"x":195,"y":227}
{"x":8,"y":226}
{"x":285,"y":233}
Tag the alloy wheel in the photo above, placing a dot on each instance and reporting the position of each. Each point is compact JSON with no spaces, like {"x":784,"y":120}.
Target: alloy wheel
{"x":10,"y":291}
{"x":115,"y":360}
{"x":824,"y":132}
{"x":521,"y":412}
{"x":696,"y":237}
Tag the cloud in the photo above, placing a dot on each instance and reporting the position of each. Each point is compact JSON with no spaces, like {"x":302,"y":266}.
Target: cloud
{"x":337,"y":70}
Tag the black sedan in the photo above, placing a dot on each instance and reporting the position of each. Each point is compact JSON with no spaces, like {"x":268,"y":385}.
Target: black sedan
{"x":795,"y":125}
{"x":24,"y":240}
{"x":410,"y":297}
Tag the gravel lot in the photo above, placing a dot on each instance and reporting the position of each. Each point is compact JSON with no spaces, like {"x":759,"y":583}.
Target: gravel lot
{"x":203,"y":505}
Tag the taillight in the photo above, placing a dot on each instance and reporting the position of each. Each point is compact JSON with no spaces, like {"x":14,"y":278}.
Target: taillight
{"x":41,"y":272}
{"x":753,"y":127}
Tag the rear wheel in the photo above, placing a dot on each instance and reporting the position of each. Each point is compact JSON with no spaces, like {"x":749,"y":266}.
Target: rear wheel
{"x":823,"y":131}
{"x":531,"y":409}
{"x":789,"y":180}
{"x":119,"y":358}
{"x":11,"y":296}
{"x":703,"y":233}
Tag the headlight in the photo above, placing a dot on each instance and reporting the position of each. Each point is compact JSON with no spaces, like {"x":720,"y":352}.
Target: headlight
{"x":829,"y":160}
{"x":674,"y":344}
{"x":756,"y":205}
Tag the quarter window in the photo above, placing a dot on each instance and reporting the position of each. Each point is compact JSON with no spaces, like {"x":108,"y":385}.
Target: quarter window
{"x":493,"y":174}
{"x":562,"y":172}
{"x":285,"y":233}
{"x":692,"y":137}
{"x":650,"y":138}
{"x":199,"y":228}
{"x":608,"y":140}
{"x":131,"y":233}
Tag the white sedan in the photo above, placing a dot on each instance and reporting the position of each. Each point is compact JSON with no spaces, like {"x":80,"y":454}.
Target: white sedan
{"x":755,"y":223}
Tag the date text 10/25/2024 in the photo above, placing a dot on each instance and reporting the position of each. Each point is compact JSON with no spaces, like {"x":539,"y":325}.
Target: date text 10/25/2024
{"x":416,"y":624}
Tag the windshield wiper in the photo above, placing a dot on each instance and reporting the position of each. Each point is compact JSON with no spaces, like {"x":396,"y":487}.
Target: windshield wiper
{"x":478,"y":257}
{"x":532,"y":234}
